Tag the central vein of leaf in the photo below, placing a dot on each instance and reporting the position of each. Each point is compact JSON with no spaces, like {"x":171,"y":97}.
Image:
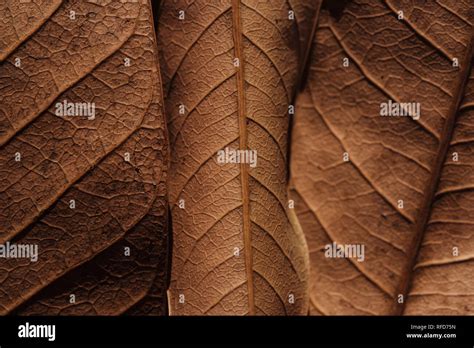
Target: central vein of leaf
{"x":237,"y":31}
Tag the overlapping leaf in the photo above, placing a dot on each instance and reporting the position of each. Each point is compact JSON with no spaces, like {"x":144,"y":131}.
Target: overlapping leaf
{"x":400,"y":186}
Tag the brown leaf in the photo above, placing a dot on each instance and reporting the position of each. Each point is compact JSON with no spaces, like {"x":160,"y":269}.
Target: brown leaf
{"x":235,"y":250}
{"x":401,"y":195}
{"x":112,"y":167}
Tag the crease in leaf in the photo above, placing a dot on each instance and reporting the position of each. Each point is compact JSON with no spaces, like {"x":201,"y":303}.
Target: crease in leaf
{"x":229,"y":83}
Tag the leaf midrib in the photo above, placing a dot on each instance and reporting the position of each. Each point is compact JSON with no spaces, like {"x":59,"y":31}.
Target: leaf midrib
{"x":244,"y":174}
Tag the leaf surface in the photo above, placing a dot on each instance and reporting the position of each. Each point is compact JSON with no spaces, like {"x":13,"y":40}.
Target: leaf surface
{"x":230,"y":69}
{"x":113,"y":167}
{"x":401,"y":194}
{"x":20,"y":19}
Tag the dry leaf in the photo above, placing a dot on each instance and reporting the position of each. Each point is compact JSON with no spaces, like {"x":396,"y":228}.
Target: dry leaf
{"x":401,"y":187}
{"x":89,"y":191}
{"x":230,"y":69}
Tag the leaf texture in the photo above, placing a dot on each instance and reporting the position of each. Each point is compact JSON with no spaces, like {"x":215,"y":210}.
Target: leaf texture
{"x":401,"y":193}
{"x":113,"y":167}
{"x":230,"y":70}
{"x":20,"y":19}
